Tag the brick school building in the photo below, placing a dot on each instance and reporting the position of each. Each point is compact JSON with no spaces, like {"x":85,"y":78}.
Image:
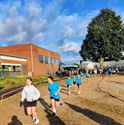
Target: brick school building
{"x":28,"y":59}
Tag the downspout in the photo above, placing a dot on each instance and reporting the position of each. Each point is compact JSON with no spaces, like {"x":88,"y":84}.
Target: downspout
{"x":49,"y":62}
{"x":32,"y":61}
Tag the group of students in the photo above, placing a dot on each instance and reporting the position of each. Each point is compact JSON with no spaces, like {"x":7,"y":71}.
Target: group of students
{"x":31,"y":94}
{"x":71,"y":82}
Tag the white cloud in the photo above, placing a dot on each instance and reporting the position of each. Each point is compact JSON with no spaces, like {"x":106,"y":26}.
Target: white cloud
{"x":34,"y":9}
{"x":21,"y":27}
{"x":39,"y":37}
{"x":71,"y":59}
{"x":68,"y":31}
{"x":70,"y":46}
{"x":19,"y":36}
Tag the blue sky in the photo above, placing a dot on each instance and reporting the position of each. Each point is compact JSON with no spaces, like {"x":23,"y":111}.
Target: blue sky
{"x":58,"y":25}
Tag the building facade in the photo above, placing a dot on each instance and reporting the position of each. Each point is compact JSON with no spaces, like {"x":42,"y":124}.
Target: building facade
{"x":33,"y":60}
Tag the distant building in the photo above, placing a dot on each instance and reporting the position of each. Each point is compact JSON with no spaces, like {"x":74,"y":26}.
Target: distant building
{"x":91,"y":65}
{"x":28,"y":59}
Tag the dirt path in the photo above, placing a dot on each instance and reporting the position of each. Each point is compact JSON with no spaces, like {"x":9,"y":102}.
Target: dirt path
{"x":91,"y":107}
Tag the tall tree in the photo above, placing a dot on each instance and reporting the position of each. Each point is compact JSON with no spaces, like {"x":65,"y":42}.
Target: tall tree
{"x":105,"y":37}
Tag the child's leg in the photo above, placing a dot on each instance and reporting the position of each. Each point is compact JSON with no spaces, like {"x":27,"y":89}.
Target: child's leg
{"x":72,"y":85}
{"x":69,"y":89}
{"x":53,"y":106}
{"x":79,"y":88}
{"x":56,"y":103}
{"x":34,"y":112}
{"x":29,"y":112}
{"x":87,"y":79}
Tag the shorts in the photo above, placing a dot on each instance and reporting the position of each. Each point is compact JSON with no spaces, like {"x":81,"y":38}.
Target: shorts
{"x":55,"y":99}
{"x":78,"y":84}
{"x":74,"y":82}
{"x":31,"y":104}
{"x":68,"y":85}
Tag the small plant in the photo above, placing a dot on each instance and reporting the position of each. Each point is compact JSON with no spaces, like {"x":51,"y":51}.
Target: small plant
{"x":101,"y":62}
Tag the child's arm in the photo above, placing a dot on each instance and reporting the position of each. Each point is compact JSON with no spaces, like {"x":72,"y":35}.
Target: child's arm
{"x":23,"y":97}
{"x":37,"y":96}
{"x":58,"y":91}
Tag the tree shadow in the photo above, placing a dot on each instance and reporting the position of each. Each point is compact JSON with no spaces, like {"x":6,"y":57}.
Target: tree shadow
{"x":15,"y":121}
{"x":45,"y":105}
{"x":64,"y":90}
{"x":52,"y":120}
{"x":65,"y":86}
{"x":99,"y":118}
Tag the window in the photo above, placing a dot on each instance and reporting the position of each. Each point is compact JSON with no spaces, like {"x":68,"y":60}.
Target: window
{"x":17,"y":68}
{"x":50,"y":60}
{"x":54,"y":61}
{"x":41,"y":58}
{"x":46,"y":60}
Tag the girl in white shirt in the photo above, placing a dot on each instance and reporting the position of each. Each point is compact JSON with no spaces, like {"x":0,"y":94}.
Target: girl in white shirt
{"x":31,"y":94}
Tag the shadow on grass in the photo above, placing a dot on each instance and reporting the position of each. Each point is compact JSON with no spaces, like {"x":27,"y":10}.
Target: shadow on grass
{"x":64,"y":90}
{"x":99,"y":118}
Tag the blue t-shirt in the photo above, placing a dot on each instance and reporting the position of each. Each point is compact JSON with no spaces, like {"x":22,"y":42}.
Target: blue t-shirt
{"x":74,"y":79}
{"x":87,"y":75}
{"x":53,"y":88}
{"x":68,"y":81}
{"x":78,"y":80}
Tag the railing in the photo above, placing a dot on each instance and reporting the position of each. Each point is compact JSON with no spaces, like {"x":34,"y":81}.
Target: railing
{"x":11,"y":92}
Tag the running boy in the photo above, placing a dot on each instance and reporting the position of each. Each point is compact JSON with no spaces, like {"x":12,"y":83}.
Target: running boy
{"x":68,"y":83}
{"x":74,"y":82}
{"x":54,"y":89}
{"x":79,"y":81}
{"x":31,"y":94}
{"x":87,"y":75}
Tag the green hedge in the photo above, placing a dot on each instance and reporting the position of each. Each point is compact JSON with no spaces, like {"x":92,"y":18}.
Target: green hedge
{"x":18,"y":81}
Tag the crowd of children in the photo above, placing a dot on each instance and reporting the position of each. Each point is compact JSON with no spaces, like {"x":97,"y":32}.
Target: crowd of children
{"x":31,"y":94}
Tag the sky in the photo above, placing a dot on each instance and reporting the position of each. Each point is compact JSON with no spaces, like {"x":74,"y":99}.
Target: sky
{"x":57,"y":25}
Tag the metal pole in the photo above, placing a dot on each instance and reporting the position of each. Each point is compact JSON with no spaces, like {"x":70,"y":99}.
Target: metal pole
{"x":49,"y":62}
{"x":32,"y":61}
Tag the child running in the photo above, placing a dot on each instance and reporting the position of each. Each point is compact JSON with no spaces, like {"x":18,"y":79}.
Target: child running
{"x":78,"y":81}
{"x":87,"y":75}
{"x":74,"y":82}
{"x":68,"y":83}
{"x":31,"y":94}
{"x":54,"y":89}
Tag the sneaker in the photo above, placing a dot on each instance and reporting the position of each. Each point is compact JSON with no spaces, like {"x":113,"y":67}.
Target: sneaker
{"x":36,"y":122}
{"x":69,"y":93}
{"x":54,"y":114}
{"x":79,"y":92}
{"x":33,"y":118}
